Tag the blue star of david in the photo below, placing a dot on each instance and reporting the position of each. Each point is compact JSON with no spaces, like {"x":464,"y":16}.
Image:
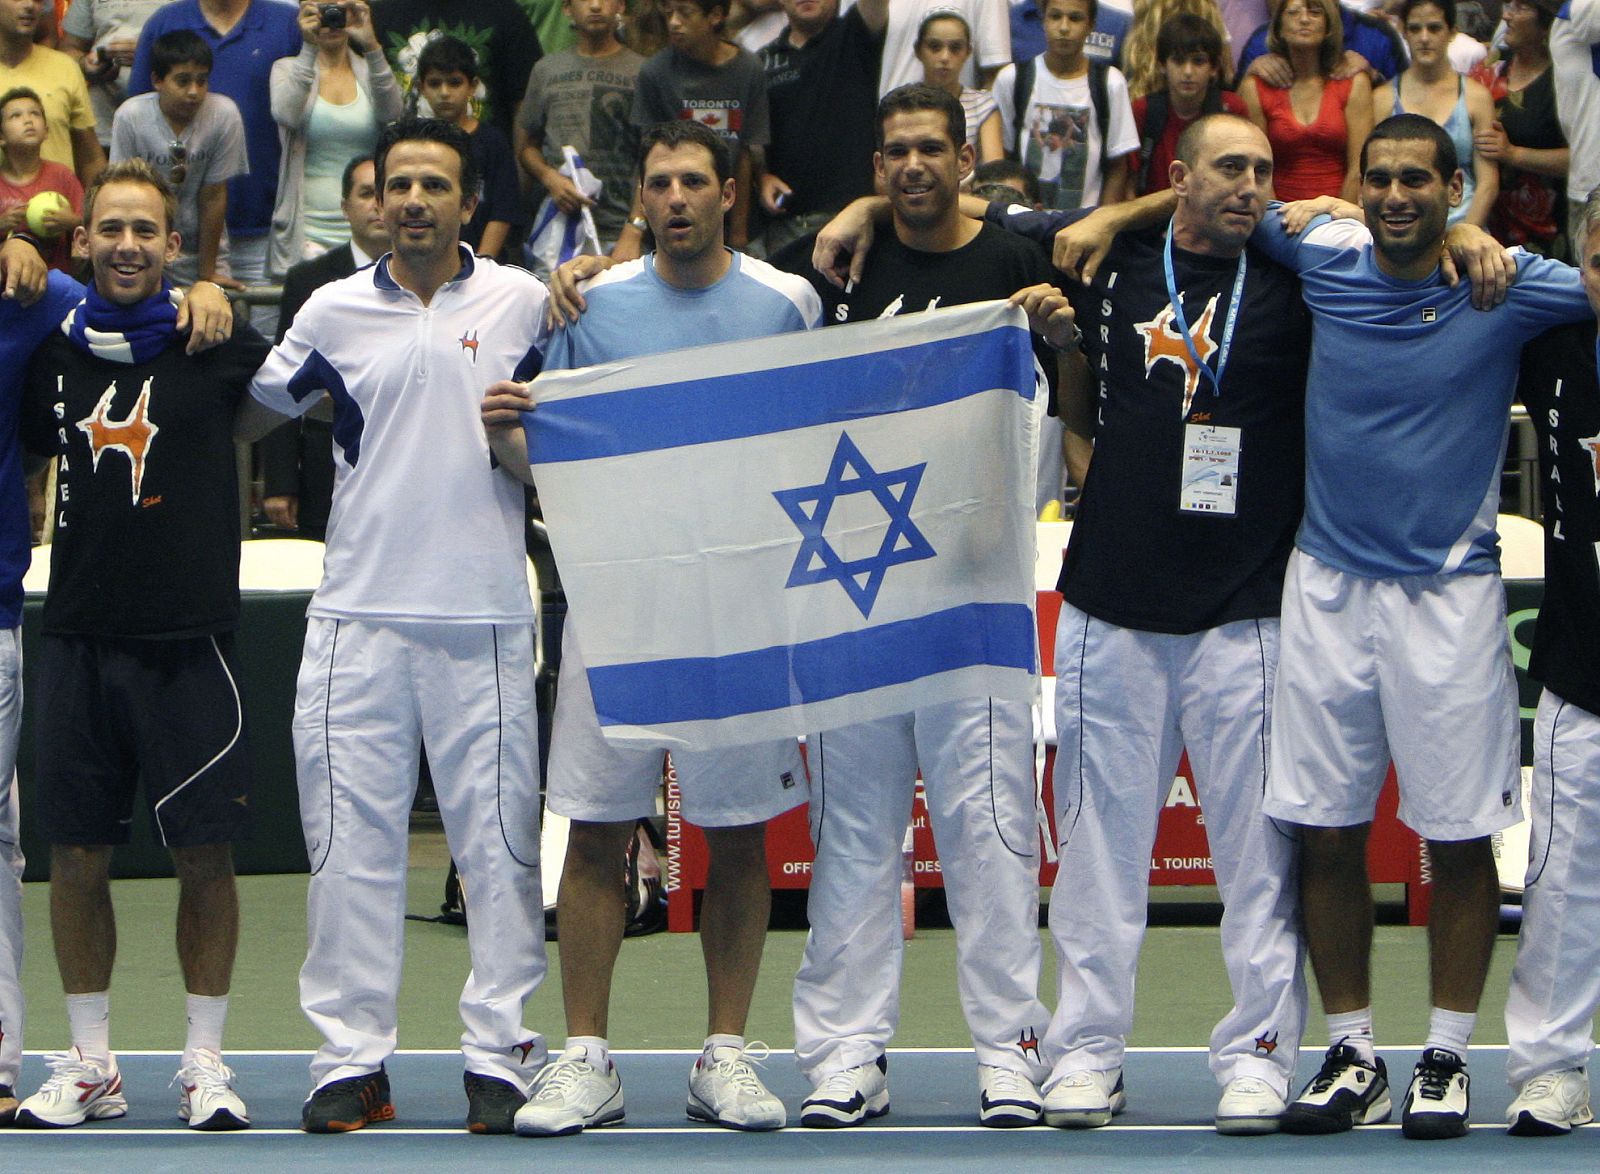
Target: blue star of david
{"x":808,"y":507}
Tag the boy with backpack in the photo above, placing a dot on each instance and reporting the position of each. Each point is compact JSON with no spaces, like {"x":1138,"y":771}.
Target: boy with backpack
{"x":1189,"y":52}
{"x":1067,"y":118}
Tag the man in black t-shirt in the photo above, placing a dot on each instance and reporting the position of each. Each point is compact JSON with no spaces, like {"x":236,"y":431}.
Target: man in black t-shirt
{"x":1168,"y":634}
{"x":1192,"y":466}
{"x":1554,"y":993}
{"x":976,"y":757}
{"x":822,"y":89}
{"x":136,"y":679}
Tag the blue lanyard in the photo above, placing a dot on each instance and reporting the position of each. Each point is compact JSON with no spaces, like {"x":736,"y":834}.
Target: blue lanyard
{"x":1183,"y":323}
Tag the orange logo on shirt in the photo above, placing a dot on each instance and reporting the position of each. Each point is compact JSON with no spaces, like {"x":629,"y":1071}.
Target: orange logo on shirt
{"x":1162,"y":340}
{"x":1591,"y":445}
{"x":133,"y":434}
{"x":469,"y":342}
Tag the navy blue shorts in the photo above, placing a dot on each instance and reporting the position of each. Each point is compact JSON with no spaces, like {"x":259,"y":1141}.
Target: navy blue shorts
{"x":114,"y":715}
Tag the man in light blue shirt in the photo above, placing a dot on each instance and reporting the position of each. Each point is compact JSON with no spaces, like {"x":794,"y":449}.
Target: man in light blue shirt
{"x":1393,"y":631}
{"x":691,"y":291}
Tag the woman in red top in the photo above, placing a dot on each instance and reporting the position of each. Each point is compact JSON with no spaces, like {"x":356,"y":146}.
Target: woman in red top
{"x":1317,"y":125}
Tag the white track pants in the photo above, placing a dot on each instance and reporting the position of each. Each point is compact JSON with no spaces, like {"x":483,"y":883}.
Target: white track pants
{"x":368,"y":694}
{"x":1555,"y":985}
{"x":1127,"y":704}
{"x":10,"y":859}
{"x":977,"y":768}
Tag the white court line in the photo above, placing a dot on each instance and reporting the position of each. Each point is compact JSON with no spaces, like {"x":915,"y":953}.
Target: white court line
{"x":1152,"y":1051}
{"x":872,"y":1130}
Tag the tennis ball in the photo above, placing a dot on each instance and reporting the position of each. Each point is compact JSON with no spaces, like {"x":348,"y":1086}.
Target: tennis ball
{"x":41,"y":205}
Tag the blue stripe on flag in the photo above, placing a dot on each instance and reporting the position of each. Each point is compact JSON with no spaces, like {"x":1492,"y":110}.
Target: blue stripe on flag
{"x":706,"y":688}
{"x":777,"y":399}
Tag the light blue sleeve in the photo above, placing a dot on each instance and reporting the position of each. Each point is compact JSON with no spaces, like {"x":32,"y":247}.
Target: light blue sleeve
{"x":1272,"y":240}
{"x":558,"y":354}
{"x":1320,"y":240}
{"x":1546,"y":293}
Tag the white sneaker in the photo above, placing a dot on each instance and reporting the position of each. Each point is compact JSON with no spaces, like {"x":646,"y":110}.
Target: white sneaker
{"x":1346,"y":1091}
{"x":1249,"y":1105}
{"x":1085,"y":1100}
{"x":1550,"y":1104}
{"x":849,"y":1097}
{"x":725,"y":1090}
{"x":1007,"y":1099}
{"x":570,"y":1094}
{"x":206,"y":1099}
{"x":1439,"y":1100}
{"x":78,"y":1090}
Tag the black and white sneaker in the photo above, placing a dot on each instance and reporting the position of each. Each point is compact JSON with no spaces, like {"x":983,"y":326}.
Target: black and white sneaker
{"x":1347,"y":1092}
{"x":1437,"y":1102}
{"x":849,"y":1097}
{"x":1007,"y":1099}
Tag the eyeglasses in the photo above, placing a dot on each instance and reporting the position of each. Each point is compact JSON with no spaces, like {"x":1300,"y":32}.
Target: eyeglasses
{"x":179,"y":154}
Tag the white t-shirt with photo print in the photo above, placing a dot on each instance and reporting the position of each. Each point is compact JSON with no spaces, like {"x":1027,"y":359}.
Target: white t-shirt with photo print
{"x":1060,"y":138}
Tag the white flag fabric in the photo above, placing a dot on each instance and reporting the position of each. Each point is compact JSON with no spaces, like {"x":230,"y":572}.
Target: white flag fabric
{"x":766,"y":538}
{"x":556,"y":236}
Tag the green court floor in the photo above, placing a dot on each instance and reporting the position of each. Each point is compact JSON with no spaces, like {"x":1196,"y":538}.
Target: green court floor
{"x":658,"y":999}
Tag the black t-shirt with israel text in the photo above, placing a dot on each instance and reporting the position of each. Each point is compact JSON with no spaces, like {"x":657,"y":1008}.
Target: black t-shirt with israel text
{"x":902,"y":280}
{"x":1135,"y":558}
{"x":1558,"y":387}
{"x":147,"y":499}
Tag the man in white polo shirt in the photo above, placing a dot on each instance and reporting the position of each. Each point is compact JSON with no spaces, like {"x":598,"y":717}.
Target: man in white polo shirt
{"x":421,"y":629}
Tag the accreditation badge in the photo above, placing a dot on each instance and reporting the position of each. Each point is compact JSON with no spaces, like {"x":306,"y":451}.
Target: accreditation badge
{"x":1210,"y":470}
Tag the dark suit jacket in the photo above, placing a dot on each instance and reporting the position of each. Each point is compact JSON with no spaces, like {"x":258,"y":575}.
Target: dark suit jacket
{"x":297,"y":459}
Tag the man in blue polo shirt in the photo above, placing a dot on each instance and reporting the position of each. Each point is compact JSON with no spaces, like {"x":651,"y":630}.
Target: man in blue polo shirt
{"x":246,"y":37}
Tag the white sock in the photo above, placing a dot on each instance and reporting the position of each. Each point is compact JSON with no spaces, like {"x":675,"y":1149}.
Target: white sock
{"x":1355,"y":1029}
{"x":1451,"y":1030}
{"x":206,"y":1016}
{"x":713,"y":1042}
{"x":595,"y":1050}
{"x":89,"y":1017}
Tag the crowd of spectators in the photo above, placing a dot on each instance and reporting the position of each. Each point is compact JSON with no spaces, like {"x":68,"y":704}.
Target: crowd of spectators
{"x":254,"y":110}
{"x":255,"y":107}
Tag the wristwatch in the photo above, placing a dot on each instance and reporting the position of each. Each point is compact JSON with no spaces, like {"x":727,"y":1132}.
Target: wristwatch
{"x":1072,"y":344}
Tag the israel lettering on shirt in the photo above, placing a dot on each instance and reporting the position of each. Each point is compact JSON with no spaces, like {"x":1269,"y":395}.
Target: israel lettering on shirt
{"x":798,"y":532}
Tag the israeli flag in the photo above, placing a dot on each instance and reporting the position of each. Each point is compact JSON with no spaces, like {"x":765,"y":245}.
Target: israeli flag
{"x":766,"y":538}
{"x":557,"y":236}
